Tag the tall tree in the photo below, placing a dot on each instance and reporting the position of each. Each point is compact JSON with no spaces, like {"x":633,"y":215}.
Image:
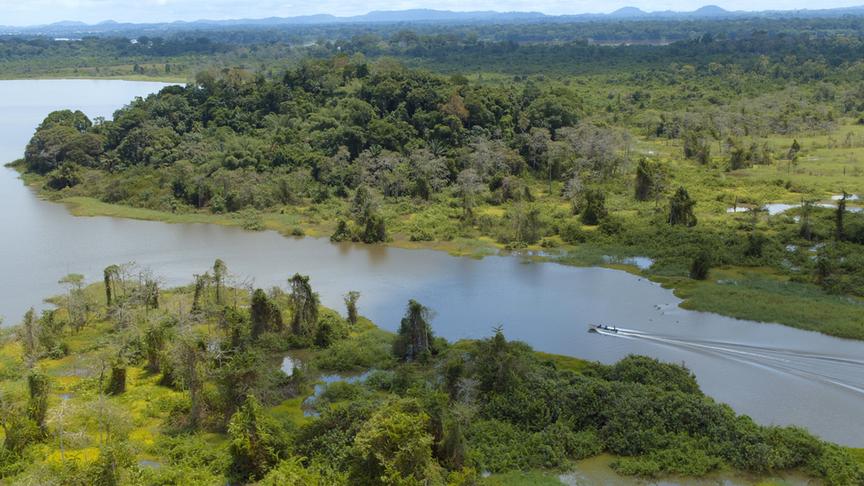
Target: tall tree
{"x":257,"y":442}
{"x":839,"y":218}
{"x":595,"y":207}
{"x":220,"y":272}
{"x":264,"y":314}
{"x":39,"y":387}
{"x":351,"y":299}
{"x":304,"y":303}
{"x":189,"y":367}
{"x":681,"y":208}
{"x":414,"y":340}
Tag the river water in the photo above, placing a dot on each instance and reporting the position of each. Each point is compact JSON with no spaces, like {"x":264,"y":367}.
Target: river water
{"x":776,"y":374}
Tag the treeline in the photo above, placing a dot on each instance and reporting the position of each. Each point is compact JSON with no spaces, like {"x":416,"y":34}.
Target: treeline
{"x":368,"y":143}
{"x":427,"y":412}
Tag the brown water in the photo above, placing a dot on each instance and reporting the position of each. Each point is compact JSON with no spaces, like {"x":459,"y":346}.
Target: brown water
{"x":776,"y":374}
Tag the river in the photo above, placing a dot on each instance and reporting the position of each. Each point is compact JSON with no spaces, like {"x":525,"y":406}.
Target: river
{"x":775,"y":374}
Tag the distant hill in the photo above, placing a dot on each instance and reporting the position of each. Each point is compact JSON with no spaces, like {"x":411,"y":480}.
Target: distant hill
{"x":71,"y":28}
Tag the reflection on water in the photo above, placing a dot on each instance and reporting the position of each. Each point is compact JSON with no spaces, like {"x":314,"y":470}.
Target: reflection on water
{"x":544,"y":304}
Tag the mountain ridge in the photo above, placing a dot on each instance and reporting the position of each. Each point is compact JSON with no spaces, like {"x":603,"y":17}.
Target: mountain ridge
{"x":430,"y":16}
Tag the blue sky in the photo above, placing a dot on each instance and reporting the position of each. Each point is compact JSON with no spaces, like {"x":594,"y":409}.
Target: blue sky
{"x":31,"y":12}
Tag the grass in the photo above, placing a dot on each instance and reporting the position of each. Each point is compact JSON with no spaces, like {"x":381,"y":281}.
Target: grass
{"x":760,"y":295}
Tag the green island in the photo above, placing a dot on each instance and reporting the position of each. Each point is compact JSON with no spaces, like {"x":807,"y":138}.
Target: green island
{"x":124,"y":382}
{"x":734,"y":170}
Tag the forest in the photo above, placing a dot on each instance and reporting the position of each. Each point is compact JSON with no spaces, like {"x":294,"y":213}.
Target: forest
{"x":125,"y":382}
{"x":680,"y":163}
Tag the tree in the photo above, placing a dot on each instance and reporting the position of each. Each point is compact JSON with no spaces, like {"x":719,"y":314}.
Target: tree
{"x":351,"y":299}
{"x":701,"y":265}
{"x":792,"y":154}
{"x":304,"y":303}
{"x":264,"y":314}
{"x":414,"y":340}
{"x":469,"y":186}
{"x":189,"y":355}
{"x":681,"y":209}
{"x":201,"y":283}
{"x":525,"y":224}
{"x":805,"y":230}
{"x":28,"y":334}
{"x":394,"y":448}
{"x":374,"y":229}
{"x":154,"y":339}
{"x":76,"y":302}
{"x":220,"y":273}
{"x":595,"y":207}
{"x":39,"y":387}
{"x":257,"y":443}
{"x":644,"y":180}
{"x":839,"y":216}
{"x":117,"y":382}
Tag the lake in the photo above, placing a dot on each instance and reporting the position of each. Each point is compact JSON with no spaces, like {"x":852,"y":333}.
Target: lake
{"x":776,"y":374}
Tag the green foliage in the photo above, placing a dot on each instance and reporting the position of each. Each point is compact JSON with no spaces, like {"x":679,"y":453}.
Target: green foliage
{"x":370,"y":349}
{"x":264,"y":314}
{"x":649,"y":371}
{"x":304,"y":304}
{"x":394,"y":447}
{"x":681,"y":209}
{"x":701,"y":265}
{"x":415,"y":339}
{"x":39,"y":387}
{"x":257,"y":442}
{"x":595,"y":207}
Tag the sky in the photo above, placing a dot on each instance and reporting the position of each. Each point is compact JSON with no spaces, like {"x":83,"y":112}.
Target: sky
{"x":36,"y":12}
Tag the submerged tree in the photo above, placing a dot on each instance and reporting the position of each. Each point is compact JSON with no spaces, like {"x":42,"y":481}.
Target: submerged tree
{"x":681,"y":208}
{"x":304,"y":303}
{"x":414,"y":340}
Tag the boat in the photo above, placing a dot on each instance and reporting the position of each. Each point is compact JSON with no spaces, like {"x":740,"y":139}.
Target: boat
{"x":596,"y":328}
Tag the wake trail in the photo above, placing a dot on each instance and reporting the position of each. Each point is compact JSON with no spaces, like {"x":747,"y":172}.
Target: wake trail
{"x":841,"y":371}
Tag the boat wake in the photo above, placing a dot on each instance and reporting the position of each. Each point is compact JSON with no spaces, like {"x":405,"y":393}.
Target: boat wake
{"x":842,"y":371}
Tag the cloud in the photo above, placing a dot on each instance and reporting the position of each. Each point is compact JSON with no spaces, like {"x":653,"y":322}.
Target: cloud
{"x":30,"y":12}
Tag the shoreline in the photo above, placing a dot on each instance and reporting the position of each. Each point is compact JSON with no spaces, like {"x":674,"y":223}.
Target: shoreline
{"x":728,"y":292}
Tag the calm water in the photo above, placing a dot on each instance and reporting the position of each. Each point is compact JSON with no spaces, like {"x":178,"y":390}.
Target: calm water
{"x":776,"y":374}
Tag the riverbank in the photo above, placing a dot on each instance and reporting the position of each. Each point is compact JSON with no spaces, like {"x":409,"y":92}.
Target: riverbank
{"x":751,"y":293}
{"x":146,"y":415}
